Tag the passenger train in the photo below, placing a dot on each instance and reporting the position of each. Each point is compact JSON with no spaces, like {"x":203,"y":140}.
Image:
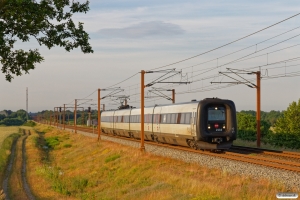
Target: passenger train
{"x":206,"y":124}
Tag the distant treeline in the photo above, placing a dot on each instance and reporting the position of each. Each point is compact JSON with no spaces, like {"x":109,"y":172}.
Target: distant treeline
{"x":81,"y":116}
{"x":277,"y":128}
{"x":10,"y":118}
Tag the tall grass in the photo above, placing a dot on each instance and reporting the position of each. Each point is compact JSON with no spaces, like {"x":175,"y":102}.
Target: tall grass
{"x":2,"y":196}
{"x":7,"y":136}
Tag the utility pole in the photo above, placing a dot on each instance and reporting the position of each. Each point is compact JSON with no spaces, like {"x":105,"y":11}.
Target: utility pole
{"x":258,"y":77}
{"x":142,"y":148}
{"x":143,"y":86}
{"x":251,"y":85}
{"x":27,"y":103}
{"x":75,"y":117}
{"x":99,"y":120}
{"x":173,"y":96}
{"x":64,"y":116}
{"x":163,"y":95}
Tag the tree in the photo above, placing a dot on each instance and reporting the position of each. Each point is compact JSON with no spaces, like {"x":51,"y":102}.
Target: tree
{"x":47,"y":21}
{"x":247,"y":126}
{"x":290,"y":121}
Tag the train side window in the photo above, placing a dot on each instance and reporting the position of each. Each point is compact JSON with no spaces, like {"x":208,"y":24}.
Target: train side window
{"x":187,"y":118}
{"x":173,"y":118}
{"x":156,"y":118}
{"x":178,"y":118}
{"x":168,"y":118}
{"x":182,"y":119}
{"x":164,"y":118}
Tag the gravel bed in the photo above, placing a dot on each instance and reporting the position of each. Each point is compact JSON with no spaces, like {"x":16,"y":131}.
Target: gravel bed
{"x":288,"y":178}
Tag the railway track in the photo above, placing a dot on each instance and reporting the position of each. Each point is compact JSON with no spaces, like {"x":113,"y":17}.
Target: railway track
{"x":289,"y":160}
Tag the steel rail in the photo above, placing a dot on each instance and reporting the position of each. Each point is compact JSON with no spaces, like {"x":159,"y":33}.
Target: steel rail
{"x":287,"y":154}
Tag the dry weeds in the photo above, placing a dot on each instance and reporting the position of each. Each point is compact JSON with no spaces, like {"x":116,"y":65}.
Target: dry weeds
{"x":79,"y":167}
{"x":15,"y":180}
{"x":2,"y":196}
{"x":6,"y":131}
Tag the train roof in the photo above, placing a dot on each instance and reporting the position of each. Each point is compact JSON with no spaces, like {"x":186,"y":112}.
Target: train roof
{"x":159,"y":105}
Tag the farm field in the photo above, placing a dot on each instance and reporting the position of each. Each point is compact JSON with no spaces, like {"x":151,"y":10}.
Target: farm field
{"x":73,"y":166}
{"x":6,"y":131}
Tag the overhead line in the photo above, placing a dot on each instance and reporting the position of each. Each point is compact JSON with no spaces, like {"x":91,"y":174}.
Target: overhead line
{"x":228,"y":43}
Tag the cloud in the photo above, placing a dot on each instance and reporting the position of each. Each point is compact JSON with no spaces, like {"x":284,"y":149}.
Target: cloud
{"x":145,"y":29}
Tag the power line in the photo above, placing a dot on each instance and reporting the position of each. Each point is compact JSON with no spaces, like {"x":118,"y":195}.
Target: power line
{"x":227,"y":43}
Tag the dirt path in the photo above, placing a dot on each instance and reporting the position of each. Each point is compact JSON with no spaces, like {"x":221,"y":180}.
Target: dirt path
{"x":15,"y":184}
{"x":9,"y":170}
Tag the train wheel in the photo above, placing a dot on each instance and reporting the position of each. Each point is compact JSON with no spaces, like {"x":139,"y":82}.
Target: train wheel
{"x":192,"y":144}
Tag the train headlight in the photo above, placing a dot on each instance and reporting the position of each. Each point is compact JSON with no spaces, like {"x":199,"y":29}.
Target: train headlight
{"x":216,"y":108}
{"x":223,"y":126}
{"x":208,"y":126}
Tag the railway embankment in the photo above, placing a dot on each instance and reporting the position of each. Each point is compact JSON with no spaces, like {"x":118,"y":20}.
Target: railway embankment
{"x":74,"y":166}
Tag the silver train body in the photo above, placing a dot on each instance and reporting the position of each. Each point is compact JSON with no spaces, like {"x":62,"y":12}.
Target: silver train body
{"x":206,"y":124}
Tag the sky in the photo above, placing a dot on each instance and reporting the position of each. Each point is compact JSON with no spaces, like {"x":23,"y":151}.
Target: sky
{"x":128,"y":36}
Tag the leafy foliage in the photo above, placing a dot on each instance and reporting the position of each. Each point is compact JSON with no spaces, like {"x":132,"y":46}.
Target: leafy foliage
{"x":29,"y":123}
{"x":290,"y":121}
{"x":52,"y":141}
{"x":289,"y":140}
{"x":13,"y":118}
{"x":48,"y":21}
{"x":247,"y":126}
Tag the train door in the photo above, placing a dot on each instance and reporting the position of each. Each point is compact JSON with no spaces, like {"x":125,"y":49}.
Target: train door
{"x":193,"y":122}
{"x":156,"y":119}
{"x":114,"y":122}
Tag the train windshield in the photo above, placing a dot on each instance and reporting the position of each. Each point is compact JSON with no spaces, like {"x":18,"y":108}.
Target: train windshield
{"x":216,"y":113}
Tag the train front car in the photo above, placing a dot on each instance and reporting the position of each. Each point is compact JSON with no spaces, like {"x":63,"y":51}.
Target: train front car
{"x":216,"y":127}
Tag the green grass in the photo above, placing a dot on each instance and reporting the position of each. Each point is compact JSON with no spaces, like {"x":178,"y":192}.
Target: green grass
{"x":52,"y":141}
{"x":112,"y":158}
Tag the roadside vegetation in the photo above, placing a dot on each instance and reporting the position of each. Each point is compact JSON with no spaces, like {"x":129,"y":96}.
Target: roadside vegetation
{"x":72,"y":166}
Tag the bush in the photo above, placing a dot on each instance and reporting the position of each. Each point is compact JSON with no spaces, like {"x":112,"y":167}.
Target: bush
{"x":29,"y":123}
{"x":12,"y":122}
{"x":288,"y":140}
{"x":52,"y":141}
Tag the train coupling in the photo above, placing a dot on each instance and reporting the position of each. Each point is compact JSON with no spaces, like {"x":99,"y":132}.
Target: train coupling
{"x":217,"y":140}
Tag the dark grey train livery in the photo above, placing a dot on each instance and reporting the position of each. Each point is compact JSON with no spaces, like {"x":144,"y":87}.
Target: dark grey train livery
{"x":206,"y":124}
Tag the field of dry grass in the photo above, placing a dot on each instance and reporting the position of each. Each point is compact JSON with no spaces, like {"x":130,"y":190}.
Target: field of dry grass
{"x":72,"y":166}
{"x":6,"y":131}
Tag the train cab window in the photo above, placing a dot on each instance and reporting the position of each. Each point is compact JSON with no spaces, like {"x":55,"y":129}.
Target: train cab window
{"x":216,"y":114}
{"x":216,"y":118}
